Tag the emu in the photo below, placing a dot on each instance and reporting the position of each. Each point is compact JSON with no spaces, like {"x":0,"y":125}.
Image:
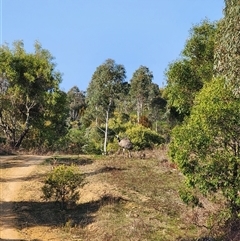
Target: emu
{"x":125,"y":144}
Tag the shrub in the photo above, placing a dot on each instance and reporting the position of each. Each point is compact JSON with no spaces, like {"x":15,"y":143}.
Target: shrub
{"x":143,"y":137}
{"x":61,"y":184}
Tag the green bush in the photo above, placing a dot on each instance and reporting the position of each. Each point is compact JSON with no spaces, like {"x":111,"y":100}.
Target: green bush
{"x":113,"y":147}
{"x":75,"y":139}
{"x":94,"y":141}
{"x":143,"y":137}
{"x":62,"y":183}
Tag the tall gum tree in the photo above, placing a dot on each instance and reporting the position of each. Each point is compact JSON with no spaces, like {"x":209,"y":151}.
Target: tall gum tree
{"x":141,"y":84}
{"x":227,"y":52}
{"x":186,"y":76}
{"x":77,"y":104}
{"x":28,"y":82}
{"x":105,"y":87}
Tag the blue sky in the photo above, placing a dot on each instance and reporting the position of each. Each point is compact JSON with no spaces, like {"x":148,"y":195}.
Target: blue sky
{"x":82,"y":34}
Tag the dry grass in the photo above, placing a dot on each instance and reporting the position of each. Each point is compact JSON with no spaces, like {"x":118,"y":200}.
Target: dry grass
{"x":123,"y":199}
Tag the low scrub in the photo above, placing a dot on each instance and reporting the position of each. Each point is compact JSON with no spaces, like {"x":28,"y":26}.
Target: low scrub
{"x":62,"y":183}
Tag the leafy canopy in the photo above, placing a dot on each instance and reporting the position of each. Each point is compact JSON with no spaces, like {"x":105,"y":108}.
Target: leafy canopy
{"x":104,"y":88}
{"x":141,"y":85}
{"x":227,"y":53}
{"x":206,"y":146}
{"x":186,"y":76}
{"x":29,"y":87}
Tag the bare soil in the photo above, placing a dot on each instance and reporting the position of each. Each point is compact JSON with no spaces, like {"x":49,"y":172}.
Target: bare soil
{"x":24,"y":215}
{"x":14,"y":170}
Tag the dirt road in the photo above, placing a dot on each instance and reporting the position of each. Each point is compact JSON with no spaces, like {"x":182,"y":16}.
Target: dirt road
{"x":13,"y":172}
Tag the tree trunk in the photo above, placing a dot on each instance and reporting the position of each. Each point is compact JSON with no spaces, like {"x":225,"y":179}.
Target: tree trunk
{"x":106,"y":133}
{"x":20,"y":139}
{"x":138,"y":112}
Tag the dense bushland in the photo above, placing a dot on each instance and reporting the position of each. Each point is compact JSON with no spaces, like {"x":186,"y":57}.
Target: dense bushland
{"x":197,"y":112}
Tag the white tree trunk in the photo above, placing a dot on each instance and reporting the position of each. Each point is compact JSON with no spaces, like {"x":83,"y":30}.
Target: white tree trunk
{"x":106,"y":133}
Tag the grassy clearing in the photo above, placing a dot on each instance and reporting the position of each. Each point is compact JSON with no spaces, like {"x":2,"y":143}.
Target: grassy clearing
{"x":153,"y":210}
{"x":122,"y":199}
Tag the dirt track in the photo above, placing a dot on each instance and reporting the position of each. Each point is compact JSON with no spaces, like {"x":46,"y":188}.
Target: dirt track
{"x":13,"y":172}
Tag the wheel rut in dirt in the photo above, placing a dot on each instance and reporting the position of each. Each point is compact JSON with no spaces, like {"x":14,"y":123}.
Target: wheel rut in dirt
{"x":14,"y":170}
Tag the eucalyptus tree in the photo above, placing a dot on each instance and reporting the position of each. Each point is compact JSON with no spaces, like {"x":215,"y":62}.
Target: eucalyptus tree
{"x":141,"y":84}
{"x":50,"y":128}
{"x":104,"y":89}
{"x":157,"y":105}
{"x":77,"y":103}
{"x":186,"y":76}
{"x":123,"y":101}
{"x":206,"y":146}
{"x":227,"y":52}
{"x":29,"y":87}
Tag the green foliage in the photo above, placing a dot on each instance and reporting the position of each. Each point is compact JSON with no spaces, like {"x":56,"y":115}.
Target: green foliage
{"x":62,"y":183}
{"x":81,"y":140}
{"x":143,"y":137}
{"x":53,"y":127}
{"x":75,"y":141}
{"x":157,"y":104}
{"x":227,"y":54}
{"x":141,"y":84}
{"x":189,"y":198}
{"x":206,"y":146}
{"x":118,"y":122}
{"x":112,"y":147}
{"x":105,"y":88}
{"x":185,"y":77}
{"x":183,"y":83}
{"x":140,"y":135}
{"x":77,"y":103}
{"x":93,"y":141}
{"x":29,"y":92}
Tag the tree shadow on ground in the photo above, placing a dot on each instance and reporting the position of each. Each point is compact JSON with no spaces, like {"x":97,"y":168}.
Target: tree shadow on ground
{"x":25,"y":161}
{"x":78,"y":161}
{"x":12,"y":162}
{"x":19,"y":239}
{"x":20,"y":179}
{"x":105,"y":169}
{"x":31,"y":214}
{"x":19,"y":161}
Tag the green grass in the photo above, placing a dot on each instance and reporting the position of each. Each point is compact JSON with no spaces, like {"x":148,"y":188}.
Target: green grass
{"x":140,"y":201}
{"x":150,"y":208}
{"x":153,"y":210}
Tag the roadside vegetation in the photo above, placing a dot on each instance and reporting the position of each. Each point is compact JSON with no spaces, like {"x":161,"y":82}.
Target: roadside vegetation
{"x":116,"y":204}
{"x":195,"y":117}
{"x":61,"y":185}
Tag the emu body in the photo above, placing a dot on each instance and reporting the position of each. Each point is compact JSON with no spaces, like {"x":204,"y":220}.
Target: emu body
{"x":125,"y":144}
